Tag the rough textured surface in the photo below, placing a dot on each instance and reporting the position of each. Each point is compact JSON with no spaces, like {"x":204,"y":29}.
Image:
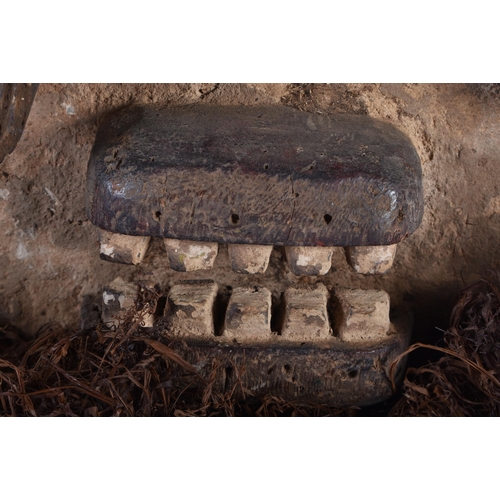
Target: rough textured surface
{"x":190,"y":309}
{"x":371,"y":260}
{"x":337,"y":375}
{"x":305,"y":314}
{"x":15,"y":104}
{"x":248,"y":315}
{"x":254,"y":175}
{"x":190,"y":255}
{"x":361,"y":316}
{"x":51,"y":270}
{"x":309,"y":261}
{"x":121,"y":248}
{"x":117,"y":298}
{"x":249,"y":259}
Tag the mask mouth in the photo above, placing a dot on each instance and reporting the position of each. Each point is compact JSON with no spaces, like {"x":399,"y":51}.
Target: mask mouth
{"x":251,"y":203}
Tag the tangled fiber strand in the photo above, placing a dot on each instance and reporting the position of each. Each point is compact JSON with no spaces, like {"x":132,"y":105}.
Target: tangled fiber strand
{"x":465,"y":381}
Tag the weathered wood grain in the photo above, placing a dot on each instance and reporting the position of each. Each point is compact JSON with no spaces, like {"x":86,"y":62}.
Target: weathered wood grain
{"x":254,"y":175}
{"x":336,"y":374}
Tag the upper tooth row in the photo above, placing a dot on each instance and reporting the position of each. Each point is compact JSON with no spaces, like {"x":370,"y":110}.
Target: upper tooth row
{"x":186,"y":255}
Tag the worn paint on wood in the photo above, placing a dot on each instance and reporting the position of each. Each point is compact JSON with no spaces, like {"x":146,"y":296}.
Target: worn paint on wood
{"x":254,"y":175}
{"x":340,"y":375}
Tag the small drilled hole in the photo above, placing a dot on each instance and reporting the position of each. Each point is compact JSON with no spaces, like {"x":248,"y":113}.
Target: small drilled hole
{"x":235,"y":218}
{"x":157,"y":216}
{"x":353,"y":373}
{"x":328,"y":218}
{"x":266,"y":166}
{"x":287,"y":368}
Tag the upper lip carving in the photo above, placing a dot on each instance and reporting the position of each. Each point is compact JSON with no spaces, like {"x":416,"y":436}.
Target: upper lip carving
{"x":267,"y":175}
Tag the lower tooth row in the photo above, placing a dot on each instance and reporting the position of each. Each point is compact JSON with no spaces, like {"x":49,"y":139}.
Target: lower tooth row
{"x":245,"y":259}
{"x":358,"y":316}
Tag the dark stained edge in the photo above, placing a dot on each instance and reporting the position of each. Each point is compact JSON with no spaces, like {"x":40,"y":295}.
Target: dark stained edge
{"x":16,"y":100}
{"x":338,"y":375}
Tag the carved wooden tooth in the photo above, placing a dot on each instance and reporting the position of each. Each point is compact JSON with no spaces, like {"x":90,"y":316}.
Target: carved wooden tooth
{"x":122,"y":248}
{"x":361,"y":315}
{"x":371,"y":259}
{"x":248,"y":314}
{"x":306,"y":316}
{"x":186,"y":255}
{"x":249,"y":259}
{"x":190,"y":309}
{"x":309,"y":261}
{"x":117,"y":299}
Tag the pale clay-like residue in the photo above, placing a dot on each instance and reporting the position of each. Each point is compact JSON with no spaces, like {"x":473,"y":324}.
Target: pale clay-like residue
{"x":107,"y":297}
{"x":195,"y":251}
{"x":107,"y":249}
{"x":304,"y":260}
{"x":21,"y":252}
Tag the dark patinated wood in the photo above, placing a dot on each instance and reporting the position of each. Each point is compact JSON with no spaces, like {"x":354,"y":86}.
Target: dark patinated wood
{"x":256,"y":175}
{"x":336,"y":374}
{"x":15,"y":105}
